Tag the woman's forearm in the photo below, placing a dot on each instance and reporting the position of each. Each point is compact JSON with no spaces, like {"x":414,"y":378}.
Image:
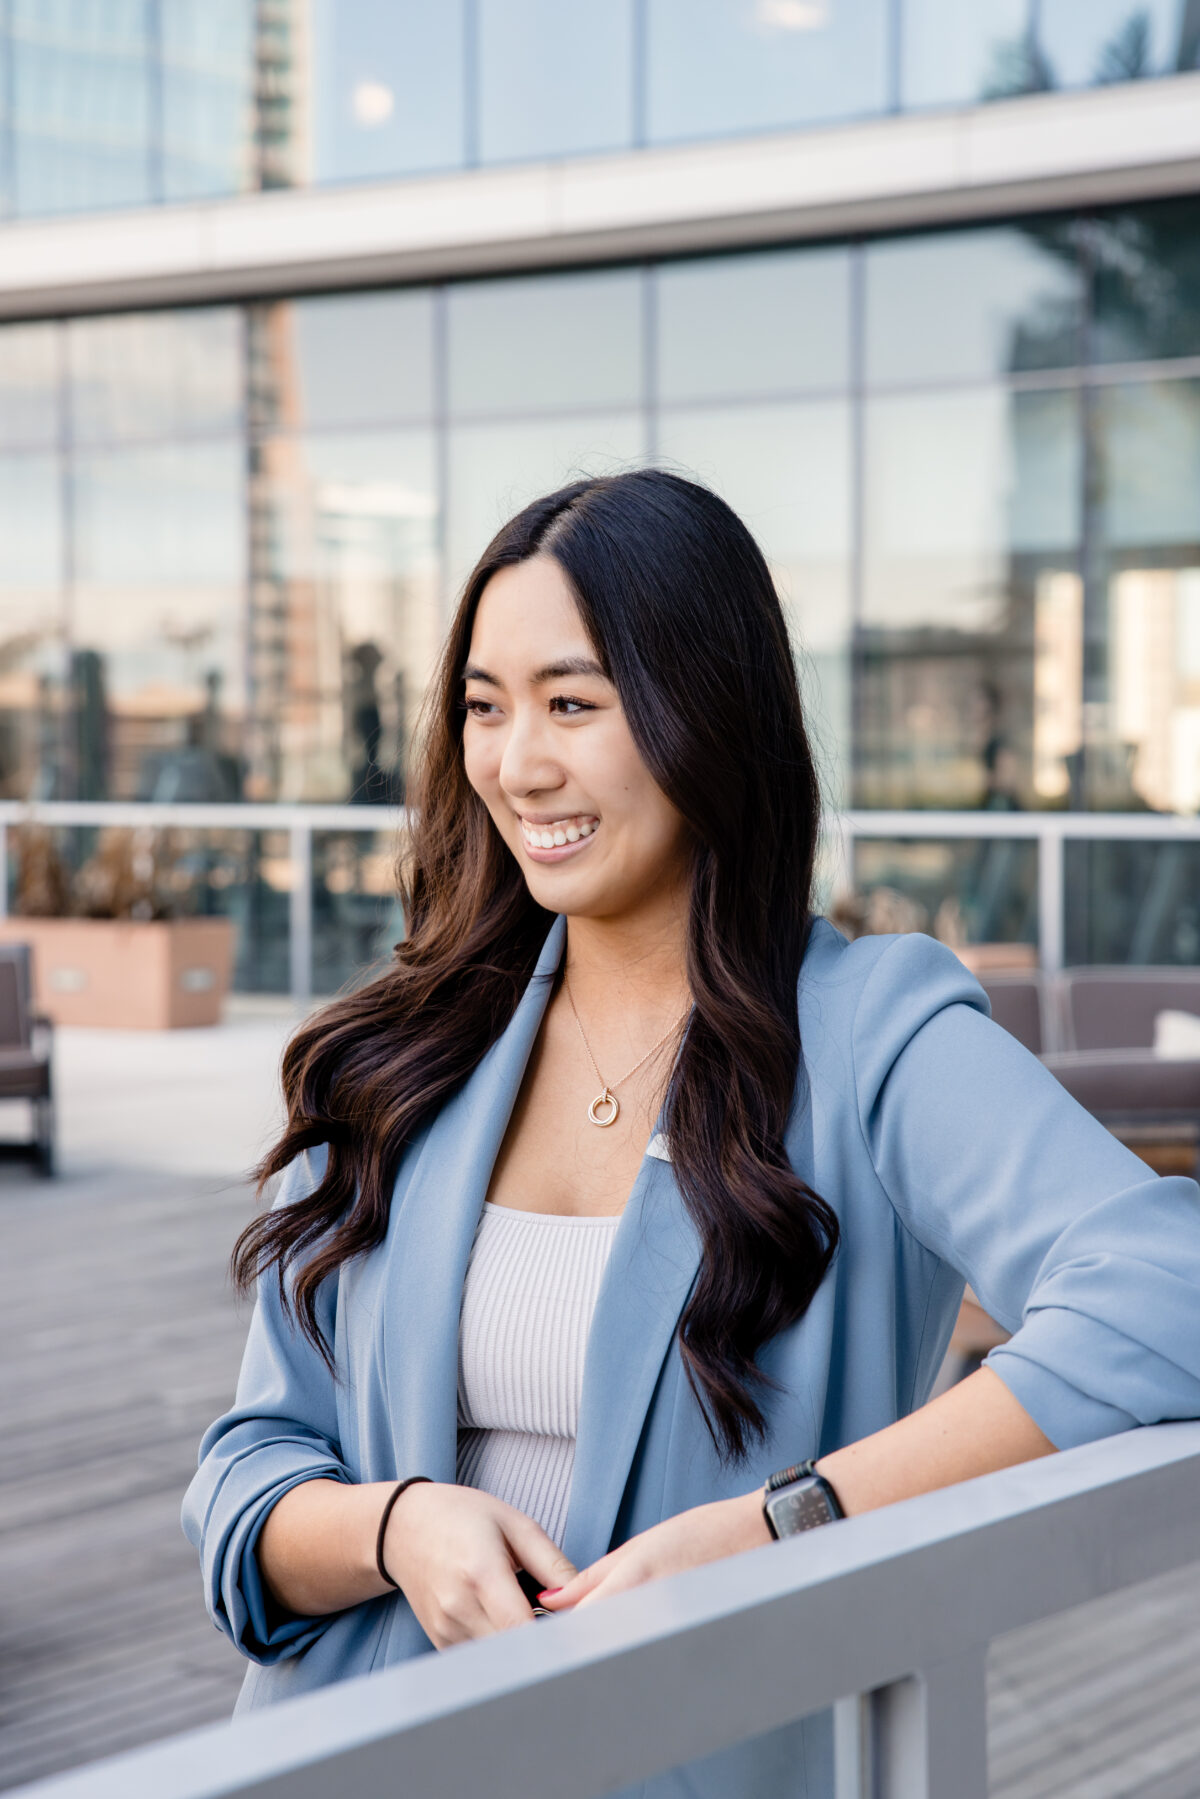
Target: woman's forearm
{"x":973,"y":1428}
{"x":316,"y":1551}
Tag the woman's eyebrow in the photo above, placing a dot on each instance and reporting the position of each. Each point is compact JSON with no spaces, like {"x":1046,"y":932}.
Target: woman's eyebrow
{"x":473,"y":672}
{"x":570,"y":665}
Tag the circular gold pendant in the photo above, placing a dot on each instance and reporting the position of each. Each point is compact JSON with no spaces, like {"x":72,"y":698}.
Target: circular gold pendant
{"x":604,"y":1099}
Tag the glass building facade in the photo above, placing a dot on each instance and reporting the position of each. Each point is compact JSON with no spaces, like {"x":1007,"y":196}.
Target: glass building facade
{"x":131,"y":102}
{"x":233,"y":533}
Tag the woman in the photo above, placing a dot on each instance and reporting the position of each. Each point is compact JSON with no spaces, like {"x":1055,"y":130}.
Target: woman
{"x":619,"y":1091}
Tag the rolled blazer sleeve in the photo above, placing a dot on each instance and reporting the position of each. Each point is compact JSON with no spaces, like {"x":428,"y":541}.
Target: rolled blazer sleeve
{"x":1068,"y":1239}
{"x":281,"y":1430}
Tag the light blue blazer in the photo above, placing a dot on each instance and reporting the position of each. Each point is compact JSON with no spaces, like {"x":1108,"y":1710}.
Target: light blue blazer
{"x":947,"y":1151}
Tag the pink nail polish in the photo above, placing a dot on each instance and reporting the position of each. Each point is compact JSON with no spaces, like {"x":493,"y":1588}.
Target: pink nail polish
{"x":549,"y":1592}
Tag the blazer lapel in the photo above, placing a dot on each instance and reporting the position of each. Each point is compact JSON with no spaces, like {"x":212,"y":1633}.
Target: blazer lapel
{"x":436,"y":1208}
{"x":650,"y":1274}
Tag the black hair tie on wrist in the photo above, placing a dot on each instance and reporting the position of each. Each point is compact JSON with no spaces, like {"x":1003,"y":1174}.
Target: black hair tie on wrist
{"x":400,"y":1487}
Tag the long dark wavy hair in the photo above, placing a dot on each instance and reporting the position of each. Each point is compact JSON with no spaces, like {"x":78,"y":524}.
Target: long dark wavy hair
{"x":677,"y":600}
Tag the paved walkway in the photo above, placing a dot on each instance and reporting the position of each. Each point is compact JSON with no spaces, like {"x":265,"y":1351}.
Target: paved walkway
{"x":119,"y":1342}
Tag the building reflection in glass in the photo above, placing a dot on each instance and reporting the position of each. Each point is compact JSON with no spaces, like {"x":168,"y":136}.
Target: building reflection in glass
{"x":230,"y":535}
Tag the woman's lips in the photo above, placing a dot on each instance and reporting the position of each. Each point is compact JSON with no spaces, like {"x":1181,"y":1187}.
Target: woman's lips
{"x":575,"y":832}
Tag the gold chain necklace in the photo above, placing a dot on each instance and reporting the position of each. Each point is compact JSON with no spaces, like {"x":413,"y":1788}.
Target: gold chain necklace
{"x":606,"y":1099}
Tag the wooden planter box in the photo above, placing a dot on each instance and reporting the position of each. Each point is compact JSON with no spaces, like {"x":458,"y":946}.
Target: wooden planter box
{"x":151,"y":976}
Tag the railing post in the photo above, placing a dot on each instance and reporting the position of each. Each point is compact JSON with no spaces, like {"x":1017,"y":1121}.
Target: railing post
{"x":300,"y":912}
{"x":929,"y":1736}
{"x":1051,"y":897}
{"x":853,"y":1744}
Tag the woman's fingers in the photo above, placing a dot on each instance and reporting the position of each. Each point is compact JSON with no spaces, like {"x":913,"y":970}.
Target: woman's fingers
{"x":577,"y":1587}
{"x":534,"y":1551}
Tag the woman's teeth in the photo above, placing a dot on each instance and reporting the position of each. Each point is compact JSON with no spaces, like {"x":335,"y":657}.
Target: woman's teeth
{"x":563,"y":830}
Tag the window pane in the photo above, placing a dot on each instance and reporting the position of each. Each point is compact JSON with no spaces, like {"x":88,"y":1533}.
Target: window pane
{"x":1016,"y":304}
{"x":388,"y":87}
{"x":81,"y":104}
{"x":1146,"y":750}
{"x":965,"y":892}
{"x":786,"y":470}
{"x":750,"y":325}
{"x":29,"y":387}
{"x":1147,"y":282}
{"x":555,"y":77}
{"x":497,"y":469}
{"x":158,"y":609}
{"x":155,"y":374}
{"x":353,"y":359}
{"x":207,"y":97}
{"x":356,"y":912}
{"x":970,"y":663}
{"x":1115,"y":40}
{"x":718,"y":66}
{"x":545,"y":344}
{"x":346,"y":619}
{"x":955,"y":54}
{"x":32,"y":628}
{"x":1132,"y":902}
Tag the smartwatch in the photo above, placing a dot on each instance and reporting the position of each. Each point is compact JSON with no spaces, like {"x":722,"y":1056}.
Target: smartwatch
{"x":797,"y":1499}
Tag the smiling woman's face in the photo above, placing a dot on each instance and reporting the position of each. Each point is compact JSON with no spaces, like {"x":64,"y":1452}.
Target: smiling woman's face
{"x":547,"y":749}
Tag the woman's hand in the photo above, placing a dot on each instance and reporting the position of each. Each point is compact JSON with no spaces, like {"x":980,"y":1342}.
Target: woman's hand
{"x":454,"y":1553}
{"x":704,"y":1534}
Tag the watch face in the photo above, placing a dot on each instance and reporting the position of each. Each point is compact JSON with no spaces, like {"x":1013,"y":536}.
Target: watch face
{"x":802,"y":1506}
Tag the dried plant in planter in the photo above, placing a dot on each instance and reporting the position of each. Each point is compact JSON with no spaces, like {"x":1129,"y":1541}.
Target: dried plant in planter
{"x":879,"y":911}
{"x":129,"y":876}
{"x":43,"y":883}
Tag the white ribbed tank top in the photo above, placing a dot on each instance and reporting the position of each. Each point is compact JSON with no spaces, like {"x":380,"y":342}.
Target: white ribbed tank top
{"x":530,"y":1290}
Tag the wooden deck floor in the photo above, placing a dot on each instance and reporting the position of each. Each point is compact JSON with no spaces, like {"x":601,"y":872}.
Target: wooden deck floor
{"x":119,"y":1342}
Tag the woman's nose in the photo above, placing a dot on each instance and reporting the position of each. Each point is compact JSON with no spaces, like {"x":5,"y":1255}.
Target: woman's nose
{"x":528,"y":764}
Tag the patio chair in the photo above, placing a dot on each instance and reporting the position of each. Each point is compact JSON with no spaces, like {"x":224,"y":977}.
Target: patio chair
{"x":1018,"y":1002}
{"x":25,"y":1055}
{"x":1108,"y":1062}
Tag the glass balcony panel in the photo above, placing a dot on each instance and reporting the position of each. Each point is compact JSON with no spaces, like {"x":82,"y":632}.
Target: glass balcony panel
{"x":981,"y":890}
{"x":343,"y":360}
{"x":748,"y":326}
{"x":356,"y":911}
{"x":345,"y":619}
{"x":33,"y":655}
{"x":495,"y":469}
{"x":548,"y":343}
{"x":555,"y":78}
{"x":1132,"y":902}
{"x":1115,"y":40}
{"x":1144,"y":737}
{"x":786,"y":470}
{"x":236,"y":873}
{"x":81,"y":88}
{"x":387,"y":88}
{"x":158,"y":621}
{"x":207,"y":85}
{"x":969,"y":658}
{"x":957,"y":55}
{"x":1147,"y":283}
{"x":716,"y":67}
{"x":147,"y":375}
{"x":29,"y":386}
{"x":1016,"y":305}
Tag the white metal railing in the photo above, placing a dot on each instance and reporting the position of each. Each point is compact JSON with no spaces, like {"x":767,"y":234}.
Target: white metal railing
{"x":886,"y":1617}
{"x":1049,"y":830}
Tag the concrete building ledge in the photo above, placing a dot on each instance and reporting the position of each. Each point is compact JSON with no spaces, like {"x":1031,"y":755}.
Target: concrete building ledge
{"x":1130,"y":142}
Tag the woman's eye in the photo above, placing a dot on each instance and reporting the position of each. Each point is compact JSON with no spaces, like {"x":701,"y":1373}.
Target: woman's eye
{"x":566,"y":707}
{"x":478,"y":708}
